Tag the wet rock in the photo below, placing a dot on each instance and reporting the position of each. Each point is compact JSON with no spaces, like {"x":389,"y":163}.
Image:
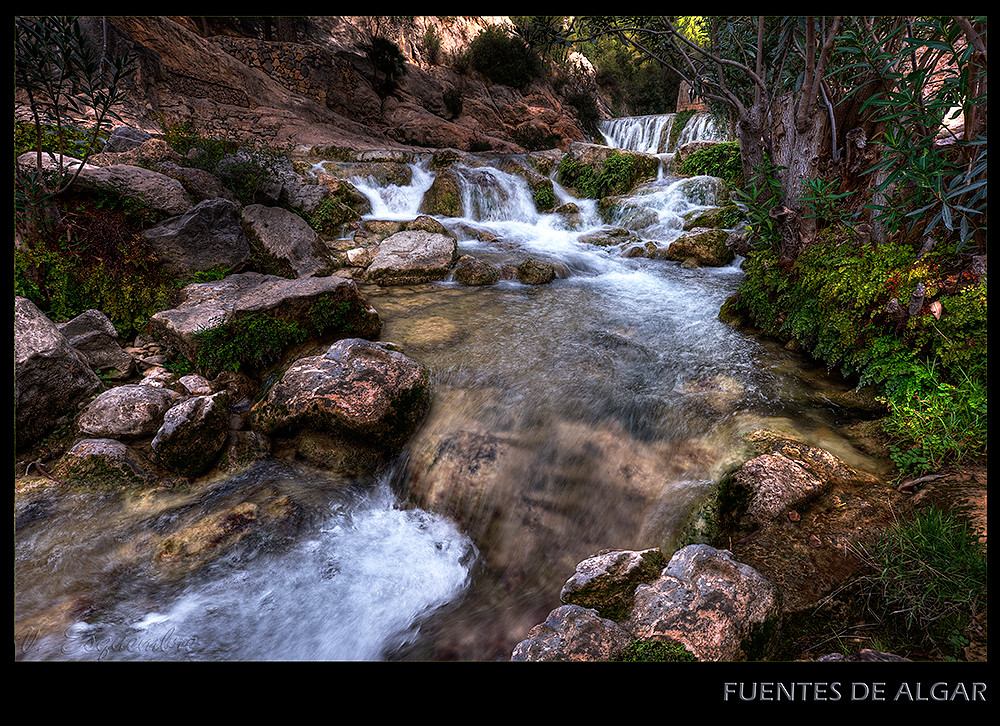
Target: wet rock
{"x":412,"y":256}
{"x":50,"y":376}
{"x":474,"y":272}
{"x":718,"y":608}
{"x":444,"y":197}
{"x":611,"y":237}
{"x":104,"y":462}
{"x":533,"y":272}
{"x":193,"y":433}
{"x":702,"y":247}
{"x":572,"y":633}
{"x":358,"y":389}
{"x":127,"y":412}
{"x":607,"y":581}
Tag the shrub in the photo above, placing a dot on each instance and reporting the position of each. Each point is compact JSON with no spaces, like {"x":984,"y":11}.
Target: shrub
{"x":453,"y":101}
{"x":719,"y":160}
{"x":503,"y":58}
{"x":618,"y":175}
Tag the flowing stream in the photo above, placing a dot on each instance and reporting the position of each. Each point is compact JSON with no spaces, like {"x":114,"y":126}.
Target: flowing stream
{"x":596,"y":408}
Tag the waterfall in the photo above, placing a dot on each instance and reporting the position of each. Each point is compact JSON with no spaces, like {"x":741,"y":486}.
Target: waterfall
{"x":396,"y":201}
{"x":651,"y":134}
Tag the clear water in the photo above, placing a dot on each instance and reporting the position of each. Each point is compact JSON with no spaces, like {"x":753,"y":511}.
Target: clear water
{"x":599,"y":408}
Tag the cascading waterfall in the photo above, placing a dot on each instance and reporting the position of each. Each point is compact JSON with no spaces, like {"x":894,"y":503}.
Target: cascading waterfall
{"x":652,"y":134}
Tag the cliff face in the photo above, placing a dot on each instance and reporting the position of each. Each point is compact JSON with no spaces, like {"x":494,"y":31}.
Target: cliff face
{"x":305,"y":81}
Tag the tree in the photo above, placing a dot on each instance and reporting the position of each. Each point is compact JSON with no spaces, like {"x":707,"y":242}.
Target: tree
{"x":62,"y":77}
{"x":794,"y":87}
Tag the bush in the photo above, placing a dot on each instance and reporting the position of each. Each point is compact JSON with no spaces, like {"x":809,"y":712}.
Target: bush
{"x":719,"y":160}
{"x":503,"y":58}
{"x":928,"y":581}
{"x":618,"y":175}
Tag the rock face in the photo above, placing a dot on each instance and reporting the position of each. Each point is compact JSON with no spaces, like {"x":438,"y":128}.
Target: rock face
{"x":358,"y":389}
{"x":50,"y":376}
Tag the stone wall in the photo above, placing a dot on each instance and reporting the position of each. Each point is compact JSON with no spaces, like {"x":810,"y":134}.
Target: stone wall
{"x":299,"y":68}
{"x":685,"y":102}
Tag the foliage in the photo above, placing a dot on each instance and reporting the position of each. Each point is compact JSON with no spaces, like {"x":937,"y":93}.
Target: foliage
{"x":431,"y":44}
{"x":453,"y":101}
{"x":617,"y":175}
{"x":95,"y":258}
{"x":757,"y":197}
{"x":634,"y":84}
{"x":244,"y":166}
{"x":655,"y":651}
{"x":925,"y":72}
{"x":504,"y":58}
{"x":719,"y":160}
{"x":587,"y":111}
{"x":63,"y":78}
{"x":543,"y":34}
{"x":929,"y":580}
{"x":388,"y":63}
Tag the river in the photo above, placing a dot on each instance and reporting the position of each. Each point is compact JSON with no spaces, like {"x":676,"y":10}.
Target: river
{"x":609,"y":401}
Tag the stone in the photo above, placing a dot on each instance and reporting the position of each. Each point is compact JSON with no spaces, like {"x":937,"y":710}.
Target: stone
{"x":411,"y":257}
{"x":208,"y":236}
{"x":193,"y":433}
{"x":702,"y":246}
{"x":288,"y":238}
{"x":51,"y":378}
{"x":127,"y":412}
{"x":94,"y":335}
{"x":104,"y":462}
{"x":606,"y":581}
{"x":474,"y":272}
{"x":718,"y":608}
{"x":358,"y":389}
{"x":572,"y":633}
{"x":533,"y":272}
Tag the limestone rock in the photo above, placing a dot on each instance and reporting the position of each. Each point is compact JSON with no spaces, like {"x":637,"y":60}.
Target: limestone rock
{"x":572,"y":633}
{"x":718,"y":608}
{"x":50,"y":376}
{"x":358,"y":389}
{"x":193,"y":433}
{"x":103,"y":462}
{"x":413,"y":256}
{"x":287,"y":237}
{"x":474,"y":272}
{"x":207,"y":236}
{"x":127,"y":412}
{"x":533,"y":272}
{"x":94,"y":335}
{"x":606,"y":581}
{"x":702,"y":246}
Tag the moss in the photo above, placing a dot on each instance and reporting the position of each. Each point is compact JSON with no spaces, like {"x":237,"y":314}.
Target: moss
{"x":655,"y":651}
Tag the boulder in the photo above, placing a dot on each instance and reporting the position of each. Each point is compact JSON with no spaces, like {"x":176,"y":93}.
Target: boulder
{"x":444,"y":197}
{"x":127,"y":412}
{"x":607,"y":581}
{"x":701,"y":246}
{"x":193,"y":433}
{"x":718,"y":608}
{"x":165,"y":196}
{"x":318,"y":305}
{"x":286,"y":237}
{"x":94,"y":335}
{"x":472,"y":271}
{"x":104,"y":462}
{"x":200,"y":184}
{"x":207,"y":236}
{"x":533,"y":272}
{"x":572,"y":633}
{"x":124,"y":138}
{"x":412,"y":256}
{"x":357,"y":390}
{"x":50,"y":376}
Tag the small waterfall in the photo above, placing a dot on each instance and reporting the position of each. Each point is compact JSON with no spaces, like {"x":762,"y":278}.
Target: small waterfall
{"x":396,"y":201}
{"x":491,"y":195}
{"x":652,"y":134}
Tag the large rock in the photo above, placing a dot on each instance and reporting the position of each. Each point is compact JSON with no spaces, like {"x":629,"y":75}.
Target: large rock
{"x":607,"y":581}
{"x":288,"y":238}
{"x":50,"y":376}
{"x":165,"y":196}
{"x":211,"y":305}
{"x":207,"y":236}
{"x":127,"y":412}
{"x":718,"y":608}
{"x":412,"y":257}
{"x":702,"y":246}
{"x":193,"y":434}
{"x":475,"y":272}
{"x":94,"y":335}
{"x":104,"y":463}
{"x":357,"y":390}
{"x":572,"y":633}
